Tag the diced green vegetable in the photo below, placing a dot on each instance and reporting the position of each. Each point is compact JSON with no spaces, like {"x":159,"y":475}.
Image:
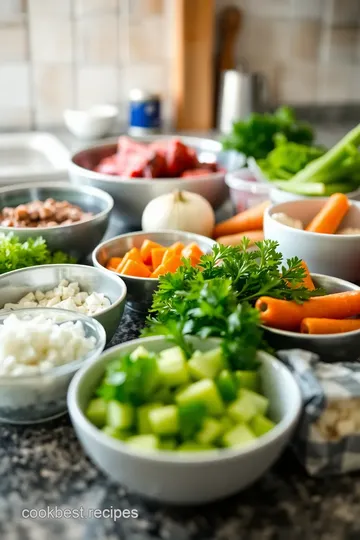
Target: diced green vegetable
{"x":143,"y":421}
{"x":238,"y":436}
{"x":248,"y":379}
{"x":116,"y":433}
{"x":210,"y":431}
{"x":120,"y":415}
{"x":243,"y":409}
{"x":96,"y":412}
{"x":172,"y":367}
{"x":261,"y":425}
{"x":163,"y":395}
{"x":191,"y":417}
{"x":164,"y":420}
{"x":191,"y":446}
{"x":167,"y":444}
{"x":261,"y":402}
{"x":146,"y":443}
{"x":206,"y":365}
{"x":139,"y":352}
{"x":205,"y":392}
{"x":226,"y":384}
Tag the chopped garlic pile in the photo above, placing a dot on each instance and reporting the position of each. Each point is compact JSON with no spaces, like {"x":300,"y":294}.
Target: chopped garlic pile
{"x":65,"y":296}
{"x":30,"y":347}
{"x":287,"y":220}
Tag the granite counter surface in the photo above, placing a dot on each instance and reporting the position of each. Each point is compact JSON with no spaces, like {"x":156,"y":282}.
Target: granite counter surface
{"x":44,"y":466}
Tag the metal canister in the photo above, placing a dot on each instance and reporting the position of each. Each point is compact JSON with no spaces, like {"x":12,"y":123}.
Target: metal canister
{"x":144,"y":113}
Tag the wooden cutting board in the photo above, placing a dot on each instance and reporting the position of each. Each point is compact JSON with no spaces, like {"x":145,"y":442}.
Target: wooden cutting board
{"x":193,"y":69}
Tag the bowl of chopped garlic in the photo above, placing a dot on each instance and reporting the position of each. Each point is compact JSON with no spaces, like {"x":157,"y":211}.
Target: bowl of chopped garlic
{"x":84,"y":289}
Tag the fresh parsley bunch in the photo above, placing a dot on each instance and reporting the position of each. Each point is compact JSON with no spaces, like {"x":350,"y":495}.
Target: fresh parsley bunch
{"x":216,"y":298}
{"x":15,"y":254}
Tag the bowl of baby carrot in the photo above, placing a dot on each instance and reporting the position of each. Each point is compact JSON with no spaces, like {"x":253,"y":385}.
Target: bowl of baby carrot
{"x":140,"y":258}
{"x":323,"y":232}
{"x":326,"y":324}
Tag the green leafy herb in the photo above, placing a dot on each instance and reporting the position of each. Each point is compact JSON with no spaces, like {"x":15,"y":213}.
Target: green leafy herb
{"x":130,"y":380}
{"x":15,"y":254}
{"x":191,"y":417}
{"x":216,"y":299}
{"x":256,"y":135}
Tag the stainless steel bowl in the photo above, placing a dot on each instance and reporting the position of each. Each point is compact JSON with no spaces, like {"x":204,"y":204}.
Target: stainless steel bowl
{"x":331,"y":347}
{"x":14,"y":285}
{"x":141,"y":290}
{"x":131,"y":195}
{"x":78,"y":239}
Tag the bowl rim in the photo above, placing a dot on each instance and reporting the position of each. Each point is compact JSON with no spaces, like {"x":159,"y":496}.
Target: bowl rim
{"x":320,"y":337}
{"x":111,"y":178}
{"x":186,"y":458}
{"x":70,"y":366}
{"x":268,"y":215}
{"x":100,"y":246}
{"x":234,"y":181}
{"x":96,"y":192}
{"x":275,"y":189}
{"x":101,"y":270}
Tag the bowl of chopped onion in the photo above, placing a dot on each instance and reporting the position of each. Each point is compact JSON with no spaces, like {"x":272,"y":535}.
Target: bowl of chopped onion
{"x":79,"y":288}
{"x":40,"y":351}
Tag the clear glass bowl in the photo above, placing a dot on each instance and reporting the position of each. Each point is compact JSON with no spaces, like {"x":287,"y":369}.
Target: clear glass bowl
{"x":36,"y":398}
{"x":246,"y":190}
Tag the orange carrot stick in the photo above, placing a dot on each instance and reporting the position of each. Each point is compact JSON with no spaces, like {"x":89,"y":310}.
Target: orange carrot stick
{"x":288,"y":315}
{"x":307,"y":281}
{"x":146,"y":248}
{"x":311,"y":325}
{"x":160,"y":271}
{"x":136,"y":269}
{"x":331,"y":215}
{"x":250,"y":220}
{"x":131,"y":255}
{"x":157,"y":255}
{"x":177,"y":247}
{"x":192,"y":252}
{"x":236,"y":239}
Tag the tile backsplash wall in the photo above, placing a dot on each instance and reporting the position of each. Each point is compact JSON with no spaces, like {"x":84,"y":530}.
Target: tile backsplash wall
{"x":309,"y":50}
{"x":56,"y":54}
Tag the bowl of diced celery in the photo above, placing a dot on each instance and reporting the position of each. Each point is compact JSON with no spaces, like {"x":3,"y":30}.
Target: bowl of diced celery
{"x":178,"y":429}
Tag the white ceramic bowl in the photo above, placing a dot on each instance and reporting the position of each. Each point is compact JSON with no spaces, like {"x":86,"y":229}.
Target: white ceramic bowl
{"x":186,"y":478}
{"x":330,"y":254}
{"x":93,"y":123}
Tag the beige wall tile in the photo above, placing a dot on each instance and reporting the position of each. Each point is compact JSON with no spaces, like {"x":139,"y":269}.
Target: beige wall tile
{"x":53,"y":92}
{"x":269,"y":68}
{"x":13,"y":43}
{"x":144,"y":8}
{"x":297,"y":83}
{"x":339,"y":45}
{"x":48,"y":7}
{"x":148,"y":77}
{"x":96,"y":40}
{"x":264,"y":37}
{"x":15,"y":118}
{"x":83,"y":8}
{"x":96,"y":85}
{"x":269,"y":8}
{"x":12,"y":10}
{"x":344,"y":12}
{"x":15,"y":86}
{"x":305,"y":40}
{"x":147,"y":39}
{"x":334,"y":83}
{"x":308,"y":9}
{"x":50,"y":39}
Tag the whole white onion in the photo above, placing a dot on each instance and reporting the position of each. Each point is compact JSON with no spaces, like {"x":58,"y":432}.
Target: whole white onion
{"x":180,"y":210}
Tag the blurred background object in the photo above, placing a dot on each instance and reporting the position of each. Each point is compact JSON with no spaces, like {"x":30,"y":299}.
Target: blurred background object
{"x":74,"y":54}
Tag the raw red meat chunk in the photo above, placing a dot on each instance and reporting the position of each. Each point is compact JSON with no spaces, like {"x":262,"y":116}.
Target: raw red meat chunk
{"x":169,"y":158}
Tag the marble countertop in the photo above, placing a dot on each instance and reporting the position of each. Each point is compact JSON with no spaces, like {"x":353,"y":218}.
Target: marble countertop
{"x":44,"y":466}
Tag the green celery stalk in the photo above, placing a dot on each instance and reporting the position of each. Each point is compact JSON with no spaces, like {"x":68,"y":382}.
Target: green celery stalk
{"x":329,"y":162}
{"x":309,"y":188}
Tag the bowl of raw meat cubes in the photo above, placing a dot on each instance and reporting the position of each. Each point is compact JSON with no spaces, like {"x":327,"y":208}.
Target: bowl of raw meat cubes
{"x":136,"y":171}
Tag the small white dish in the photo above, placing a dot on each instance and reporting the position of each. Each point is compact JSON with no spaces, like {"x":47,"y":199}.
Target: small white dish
{"x":93,"y":123}
{"x":334,"y":255}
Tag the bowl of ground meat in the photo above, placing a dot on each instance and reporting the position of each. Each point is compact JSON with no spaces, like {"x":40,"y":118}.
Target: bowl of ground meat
{"x":71,"y":219}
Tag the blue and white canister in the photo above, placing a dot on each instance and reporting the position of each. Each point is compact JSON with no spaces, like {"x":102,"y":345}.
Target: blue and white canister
{"x":144,"y":113}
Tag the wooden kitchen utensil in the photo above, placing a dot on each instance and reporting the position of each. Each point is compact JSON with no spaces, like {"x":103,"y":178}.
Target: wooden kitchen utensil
{"x":229,"y":27}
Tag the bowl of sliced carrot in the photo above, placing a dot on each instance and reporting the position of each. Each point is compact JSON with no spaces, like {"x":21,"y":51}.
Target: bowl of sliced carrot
{"x":323,"y":232}
{"x":327,"y":324}
{"x":140,"y":258}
